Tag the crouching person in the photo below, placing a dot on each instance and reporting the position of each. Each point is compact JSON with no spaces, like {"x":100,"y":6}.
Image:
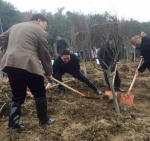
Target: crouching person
{"x":69,"y":63}
{"x":21,"y":62}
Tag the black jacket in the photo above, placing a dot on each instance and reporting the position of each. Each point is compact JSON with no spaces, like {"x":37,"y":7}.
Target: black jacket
{"x":108,"y":56}
{"x":61,"y":45}
{"x":72,"y":66}
{"x":145,"y":52}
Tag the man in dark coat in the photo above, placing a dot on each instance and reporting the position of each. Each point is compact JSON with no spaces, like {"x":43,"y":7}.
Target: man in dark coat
{"x":107,"y":57}
{"x":61,"y":45}
{"x":142,"y":43}
{"x":69,"y":63}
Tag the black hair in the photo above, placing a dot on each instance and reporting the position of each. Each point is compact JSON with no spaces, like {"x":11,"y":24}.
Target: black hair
{"x":110,"y":38}
{"x":130,"y":37}
{"x":143,"y":31}
{"x":65,"y":52}
{"x":35,"y":17}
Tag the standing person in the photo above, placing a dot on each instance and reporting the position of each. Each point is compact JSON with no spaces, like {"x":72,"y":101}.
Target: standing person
{"x":143,"y":34}
{"x":61,"y":45}
{"x":81,"y":53}
{"x":21,"y":62}
{"x":2,"y":51}
{"x":94,"y":55}
{"x":107,"y":56}
{"x":142,"y":43}
{"x":69,"y":63}
{"x":77,"y":54}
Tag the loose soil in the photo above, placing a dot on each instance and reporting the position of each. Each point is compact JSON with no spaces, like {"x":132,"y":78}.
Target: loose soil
{"x":79,"y":119}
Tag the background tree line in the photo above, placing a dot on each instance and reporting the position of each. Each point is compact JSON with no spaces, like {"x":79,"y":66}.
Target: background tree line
{"x":81,"y":31}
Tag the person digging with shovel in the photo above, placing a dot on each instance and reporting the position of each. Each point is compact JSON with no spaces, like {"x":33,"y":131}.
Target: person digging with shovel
{"x":106,"y":57}
{"x":26,"y":43}
{"x":69,"y":63}
{"x":142,"y":43}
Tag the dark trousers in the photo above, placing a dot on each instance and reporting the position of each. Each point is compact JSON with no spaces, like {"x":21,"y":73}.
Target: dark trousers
{"x":78,"y":75}
{"x":117,"y":79}
{"x":21,"y":79}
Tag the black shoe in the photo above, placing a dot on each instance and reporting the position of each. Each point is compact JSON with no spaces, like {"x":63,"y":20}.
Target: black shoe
{"x":41,"y":108}
{"x":98,"y":92}
{"x":119,"y":89}
{"x":15,"y":128}
{"x":51,"y":120}
{"x":62,"y":92}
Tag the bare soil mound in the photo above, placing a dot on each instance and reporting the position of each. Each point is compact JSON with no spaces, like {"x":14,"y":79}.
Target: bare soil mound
{"x":79,"y":119}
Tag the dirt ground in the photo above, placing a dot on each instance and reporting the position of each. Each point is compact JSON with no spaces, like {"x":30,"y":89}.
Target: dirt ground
{"x":79,"y":119}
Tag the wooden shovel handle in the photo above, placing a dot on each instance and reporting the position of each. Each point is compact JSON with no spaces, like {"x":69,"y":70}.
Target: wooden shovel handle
{"x":64,"y":85}
{"x":62,"y":82}
{"x":115,"y":72}
{"x":77,"y":92}
{"x":135,"y":76}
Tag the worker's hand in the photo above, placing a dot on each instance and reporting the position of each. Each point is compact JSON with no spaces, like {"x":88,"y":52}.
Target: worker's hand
{"x":137,"y":72}
{"x":67,"y":48}
{"x":73,"y":79}
{"x":48,"y":86}
{"x":5,"y":79}
{"x":134,"y":47}
{"x":49,"y":77}
{"x":114,"y":73}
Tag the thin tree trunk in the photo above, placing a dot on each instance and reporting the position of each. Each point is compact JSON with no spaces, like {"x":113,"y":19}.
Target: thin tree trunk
{"x":0,"y":21}
{"x":55,"y":49}
{"x":127,"y":56}
{"x":124,"y":53}
{"x":84,"y":68}
{"x":130,"y":65}
{"x":1,"y":77}
{"x":117,"y":109}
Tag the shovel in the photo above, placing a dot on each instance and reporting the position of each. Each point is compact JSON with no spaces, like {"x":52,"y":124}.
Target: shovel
{"x":126,"y":100}
{"x":77,"y":92}
{"x":62,"y":82}
{"x":108,"y":92}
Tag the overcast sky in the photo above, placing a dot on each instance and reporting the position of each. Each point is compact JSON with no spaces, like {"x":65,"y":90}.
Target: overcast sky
{"x":127,"y":8}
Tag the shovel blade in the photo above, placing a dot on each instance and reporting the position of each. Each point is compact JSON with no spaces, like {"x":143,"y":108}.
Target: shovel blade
{"x":110,"y":95}
{"x":126,"y":99}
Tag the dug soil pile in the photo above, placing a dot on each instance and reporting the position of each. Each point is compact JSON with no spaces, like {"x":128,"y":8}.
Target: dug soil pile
{"x":79,"y":119}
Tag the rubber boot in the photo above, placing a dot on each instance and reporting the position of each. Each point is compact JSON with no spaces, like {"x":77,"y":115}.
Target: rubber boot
{"x":14,"y":117}
{"x":41,"y":108}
